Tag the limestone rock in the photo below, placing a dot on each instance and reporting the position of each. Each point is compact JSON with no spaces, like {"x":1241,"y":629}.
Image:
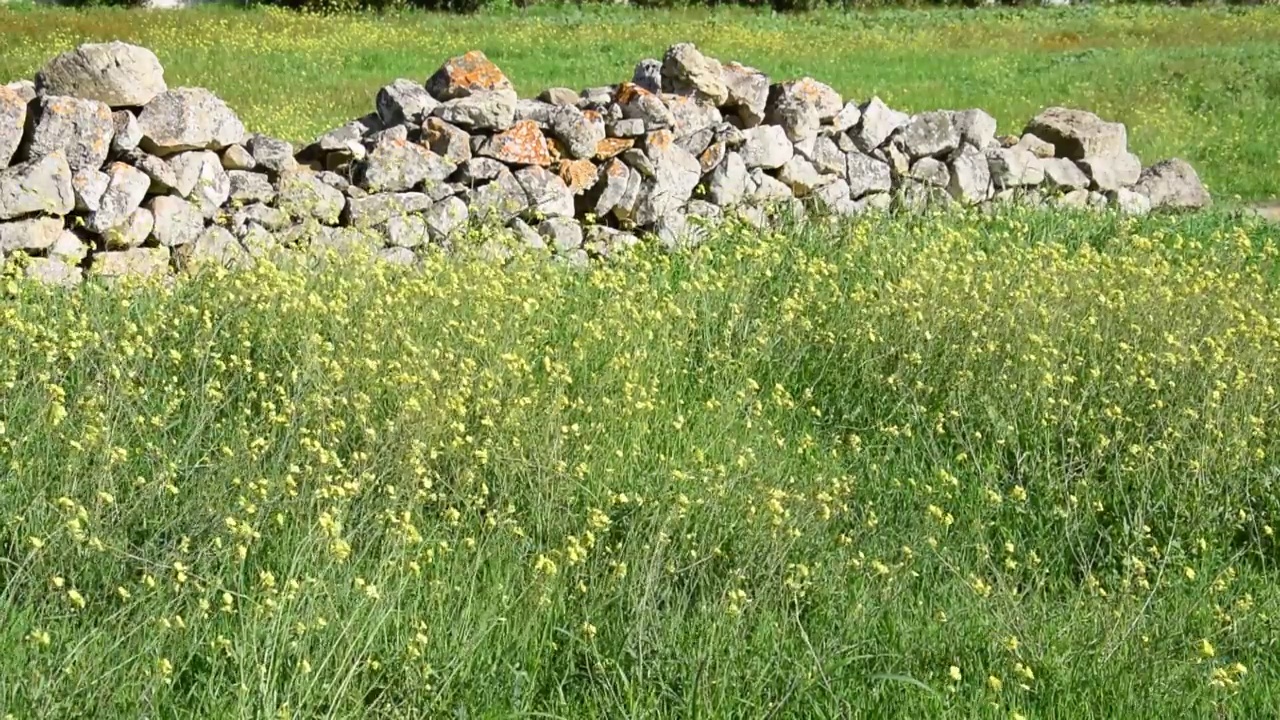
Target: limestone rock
{"x":404,"y":102}
{"x":125,"y":191}
{"x":271,"y":155}
{"x":766,"y":146}
{"x":1063,"y":174}
{"x":1112,"y":172}
{"x":976,"y":128}
{"x":505,"y":198}
{"x":879,"y":121}
{"x":1173,"y":184}
{"x":398,"y":165}
{"x":522,"y":144}
{"x":866,"y":174}
{"x":188,"y":119}
{"x":216,"y":246}
{"x":448,"y":141}
{"x":467,"y":75}
{"x":930,"y":134}
{"x":37,"y":186}
{"x":638,"y":103}
{"x":561,"y":233}
{"x":32,"y":234}
{"x":686,"y":71}
{"x":1078,"y":134}
{"x":127,"y":133}
{"x":140,"y":262}
{"x":81,"y":129}
{"x":445,"y":218}
{"x":548,"y":195}
{"x":236,"y":157}
{"x":131,"y":233}
{"x":970,"y":176}
{"x":610,"y":187}
{"x":13,"y":120}
{"x":648,"y":75}
{"x":302,"y":195}
{"x":68,"y":248}
{"x":1014,"y":167}
{"x":748,"y":93}
{"x":201,"y":179}
{"x":377,"y":210}
{"x":177,"y":222}
{"x":727,"y":185}
{"x":1129,"y":202}
{"x":250,"y":187}
{"x":488,"y":110}
{"x":115,"y":73}
{"x":560,"y":96}
{"x":930,"y":171}
{"x":89,"y":187}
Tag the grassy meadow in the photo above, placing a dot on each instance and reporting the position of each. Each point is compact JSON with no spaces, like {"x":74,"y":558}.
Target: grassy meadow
{"x":1022,"y":465}
{"x":1202,"y":84}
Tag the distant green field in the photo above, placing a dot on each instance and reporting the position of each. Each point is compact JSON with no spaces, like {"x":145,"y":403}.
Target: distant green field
{"x":1203,"y":83}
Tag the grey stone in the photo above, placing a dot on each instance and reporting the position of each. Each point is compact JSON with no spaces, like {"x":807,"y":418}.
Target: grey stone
{"x":525,"y":235}
{"x":258,"y":241}
{"x":537,"y":111}
{"x":397,"y":256}
{"x":126,"y":188}
{"x":115,"y":73}
{"x":376,"y":210}
{"x":748,"y":93}
{"x":976,"y":127}
{"x":446,"y":218}
{"x":686,"y":71}
{"x":648,"y":75}
{"x":1129,"y":202}
{"x":794,"y":114}
{"x":833,"y":194}
{"x":89,"y":187}
{"x":561,"y":233}
{"x":24,"y":89}
{"x":1173,"y":184}
{"x":163,"y":176}
{"x":256,"y":215}
{"x":1064,"y":174}
{"x":126,"y":134}
{"x":407,"y":231}
{"x":690,"y":116}
{"x":467,"y":75}
{"x":188,"y":119}
{"x":201,"y":179}
{"x":767,"y":189}
{"x":505,"y":198}
{"x":37,"y":186}
{"x":625,"y":209}
{"x":711,"y":157}
{"x":53,"y":272}
{"x":68,"y":248}
{"x":676,"y":174}
{"x":579,"y":132}
{"x":611,"y":185}
{"x":271,"y":155}
{"x":704,"y":210}
{"x":559,"y":96}
{"x":1078,"y":134}
{"x":1035,"y":146}
{"x":303,"y":196}
{"x":625,"y":128}
{"x":250,"y":187}
{"x":1112,"y":172}
{"x":448,"y":141}
{"x":879,"y":121}
{"x":930,"y":171}
{"x":177,"y":222}
{"x":827,"y":157}
{"x":930,"y":134}
{"x":865,"y":175}
{"x":1076,"y":199}
{"x":970,"y":176}
{"x":727,"y":185}
{"x":548,"y":194}
{"x":491,"y":110}
{"x":480,"y":169}
{"x":131,"y":233}
{"x":396,"y":166}
{"x":638,"y":103}
{"x":766,"y":146}
{"x":802,"y":177}
{"x":81,"y":129}
{"x":34,"y":234}
{"x":404,"y":101}
{"x":13,"y":121}
{"x":216,"y":246}
{"x":235,"y":157}
{"x":333,"y":180}
{"x":847,"y":118}
{"x":1014,"y":167}
{"x":140,"y":262}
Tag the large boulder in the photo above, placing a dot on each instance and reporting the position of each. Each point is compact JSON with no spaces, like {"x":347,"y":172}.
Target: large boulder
{"x":37,"y":186}
{"x":686,"y":71}
{"x":81,"y":129}
{"x":1078,"y":134}
{"x":188,"y":119}
{"x":13,"y":120}
{"x":115,"y":73}
{"x":1173,"y":184}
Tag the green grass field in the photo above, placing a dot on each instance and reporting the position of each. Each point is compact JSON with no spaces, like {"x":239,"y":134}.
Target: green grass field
{"x":1203,"y":84}
{"x":1012,"y":466}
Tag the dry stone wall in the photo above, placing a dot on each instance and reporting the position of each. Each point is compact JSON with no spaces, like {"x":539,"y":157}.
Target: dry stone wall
{"x":107,"y":171}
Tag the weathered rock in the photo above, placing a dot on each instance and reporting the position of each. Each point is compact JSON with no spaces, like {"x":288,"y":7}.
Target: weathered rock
{"x":29,"y":234}
{"x":271,"y":155}
{"x":37,"y":186}
{"x":525,"y":235}
{"x":675,"y":175}
{"x":397,"y":256}
{"x":559,"y":96}
{"x":201,"y":179}
{"x":480,"y":170}
{"x":81,"y":129}
{"x":404,"y":102}
{"x":625,"y":128}
{"x":522,"y":144}
{"x":250,"y":187}
{"x":767,"y":189}
{"x":490,"y":110}
{"x":648,"y":75}
{"x":505,"y":198}
{"x":467,"y":75}
{"x":1035,"y":146}
{"x":930,"y":171}
{"x":547,"y":193}
{"x":611,"y":185}
{"x":561,"y":233}
{"x":256,"y":215}
{"x":727,"y":185}
{"x":579,"y":175}
{"x":970,"y":177}
{"x":1112,"y":172}
{"x":1173,"y":184}
{"x":691,"y":116}
{"x":68,"y":248}
{"x":163,"y":176}
{"x":1129,"y":202}
{"x":89,"y":187}
{"x":638,"y":103}
{"x":1064,"y":174}
{"x":625,"y":209}
{"x":686,"y":71}
{"x":446,"y":218}
{"x":127,"y":132}
{"x":216,"y":247}
{"x":448,"y":141}
{"x":879,"y":121}
{"x":235,"y":157}
{"x":53,"y":272}
{"x":712,"y":156}
{"x":866,"y":174}
{"x":13,"y":120}
{"x":177,"y":222}
{"x":302,"y":195}
{"x":397,"y":165}
{"x":131,"y":233}
{"x":140,"y":262}
{"x":406,"y":231}
{"x":766,"y":146}
{"x":930,"y":134}
{"x":1014,"y":167}
{"x":1075,"y":199}
{"x":832,"y":195}
{"x":114,"y":73}
{"x":976,"y":128}
{"x":802,"y":177}
{"x":126,"y":189}
{"x":188,"y":119}
{"x":1078,"y":134}
{"x":537,"y":111}
{"x":794,"y":114}
{"x":377,"y":210}
{"x":748,"y":93}
{"x":827,"y":157}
